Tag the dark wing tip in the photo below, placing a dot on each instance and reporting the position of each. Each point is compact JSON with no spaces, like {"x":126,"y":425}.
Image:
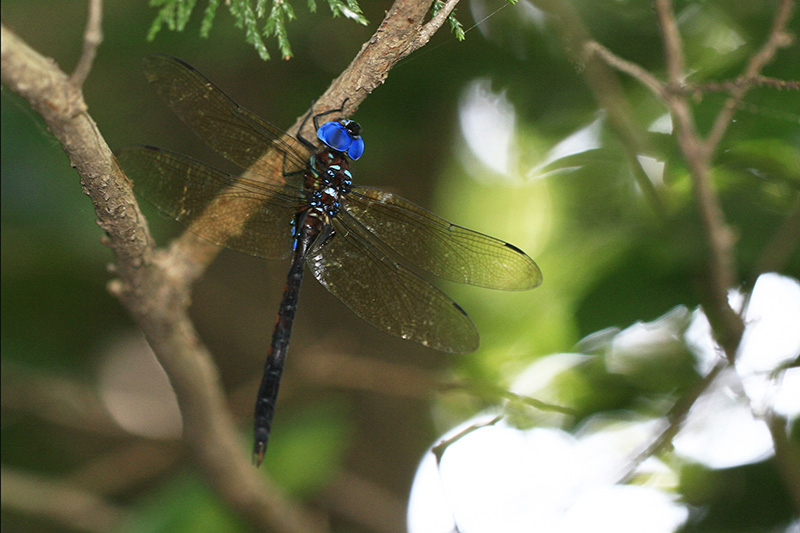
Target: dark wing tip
{"x":530,"y":274}
{"x":152,"y":59}
{"x":469,"y":343}
{"x":153,"y":66}
{"x":509,"y":245}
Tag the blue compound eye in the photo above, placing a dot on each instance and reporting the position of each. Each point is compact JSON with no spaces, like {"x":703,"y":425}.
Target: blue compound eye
{"x":356,"y":149}
{"x":335,"y":135}
{"x":342,"y":136}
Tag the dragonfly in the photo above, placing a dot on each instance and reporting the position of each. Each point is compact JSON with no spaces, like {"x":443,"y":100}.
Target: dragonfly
{"x":296,"y":200}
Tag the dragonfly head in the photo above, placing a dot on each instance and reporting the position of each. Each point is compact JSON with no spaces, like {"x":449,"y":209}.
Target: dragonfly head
{"x":343,"y":136}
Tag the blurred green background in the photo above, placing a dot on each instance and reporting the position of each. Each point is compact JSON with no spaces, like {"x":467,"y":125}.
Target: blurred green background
{"x":608,"y":258}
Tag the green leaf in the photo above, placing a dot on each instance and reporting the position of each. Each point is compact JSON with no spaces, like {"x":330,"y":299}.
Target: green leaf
{"x":455,"y":26}
{"x":248,"y":15}
{"x":349,"y":9}
{"x":208,"y":17}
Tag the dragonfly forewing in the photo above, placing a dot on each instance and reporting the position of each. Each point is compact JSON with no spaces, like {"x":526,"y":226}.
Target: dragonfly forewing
{"x":244,"y":215}
{"x":239,"y":135}
{"x":439,"y":247}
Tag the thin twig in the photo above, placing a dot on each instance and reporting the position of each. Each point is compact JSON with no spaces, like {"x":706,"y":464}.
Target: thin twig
{"x":738,"y":83}
{"x":623,"y":65}
{"x":92,"y":37}
{"x":778,"y":38}
{"x":494,"y":393}
{"x":673,"y":46}
{"x":726,"y":323}
{"x":68,"y":505}
{"x":128,"y":467}
{"x":675,"y":419}
{"x":324,"y":364}
{"x":608,"y":92}
{"x":433,"y":25}
{"x":441,"y":447}
{"x":56,"y":399}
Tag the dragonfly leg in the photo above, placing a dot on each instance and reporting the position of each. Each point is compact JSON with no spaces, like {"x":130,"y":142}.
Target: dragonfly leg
{"x":329,"y":112}
{"x":310,"y":145}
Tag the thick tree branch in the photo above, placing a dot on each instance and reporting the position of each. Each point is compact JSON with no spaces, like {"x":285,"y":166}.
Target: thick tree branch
{"x":50,"y":93}
{"x":402,"y":32}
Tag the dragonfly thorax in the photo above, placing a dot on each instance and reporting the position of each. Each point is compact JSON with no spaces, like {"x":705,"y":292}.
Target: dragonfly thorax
{"x":327,"y":180}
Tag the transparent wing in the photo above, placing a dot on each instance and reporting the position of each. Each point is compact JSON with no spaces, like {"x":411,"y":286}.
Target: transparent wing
{"x":387,"y":295}
{"x":234,"y":132}
{"x":244,"y":215}
{"x":439,"y":247}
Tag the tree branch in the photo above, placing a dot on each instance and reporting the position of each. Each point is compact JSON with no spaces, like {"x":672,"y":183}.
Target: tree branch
{"x":726,"y":323}
{"x":629,"y":68}
{"x":68,"y":505}
{"x":673,"y":46}
{"x":92,"y":37}
{"x":718,"y":235}
{"x":400,"y":33}
{"x":786,"y":455}
{"x":675,"y":419}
